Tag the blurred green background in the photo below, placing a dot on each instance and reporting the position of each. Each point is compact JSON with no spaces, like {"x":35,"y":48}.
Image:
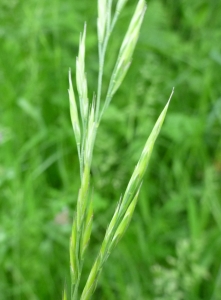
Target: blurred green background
{"x":172,"y":248}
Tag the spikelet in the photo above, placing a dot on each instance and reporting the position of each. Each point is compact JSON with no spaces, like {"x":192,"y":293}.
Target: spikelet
{"x":92,"y":280}
{"x":82,"y":197}
{"x":142,"y":164}
{"x":126,"y":52}
{"x":73,"y":258}
{"x":128,"y":46}
{"x":81,"y":78}
{"x":74,"y":114}
{"x":102,"y":20}
{"x":87,"y":228}
{"x":91,"y":132}
{"x":125,"y":221}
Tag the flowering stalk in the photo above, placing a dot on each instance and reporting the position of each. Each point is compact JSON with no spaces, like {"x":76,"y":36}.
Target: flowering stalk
{"x":85,"y":119}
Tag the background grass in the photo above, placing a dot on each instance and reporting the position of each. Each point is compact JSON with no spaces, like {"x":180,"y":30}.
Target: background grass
{"x":172,"y":248}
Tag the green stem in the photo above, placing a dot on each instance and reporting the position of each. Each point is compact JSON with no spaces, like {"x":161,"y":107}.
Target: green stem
{"x":102,"y":47}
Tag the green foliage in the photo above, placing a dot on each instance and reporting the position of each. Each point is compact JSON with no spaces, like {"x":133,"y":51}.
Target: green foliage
{"x":172,"y":246}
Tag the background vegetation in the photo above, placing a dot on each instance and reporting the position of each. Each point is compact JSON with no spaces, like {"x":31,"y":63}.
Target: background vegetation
{"x":172,"y":248}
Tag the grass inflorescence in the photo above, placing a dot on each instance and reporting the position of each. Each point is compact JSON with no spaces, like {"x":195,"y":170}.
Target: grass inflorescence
{"x":86,"y":117}
{"x":172,"y":247}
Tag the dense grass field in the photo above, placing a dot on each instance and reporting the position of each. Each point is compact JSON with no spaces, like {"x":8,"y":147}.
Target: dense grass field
{"x":172,"y":249}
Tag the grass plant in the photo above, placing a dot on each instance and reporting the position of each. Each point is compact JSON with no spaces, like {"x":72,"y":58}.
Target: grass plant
{"x":86,"y":117}
{"x":174,"y":239}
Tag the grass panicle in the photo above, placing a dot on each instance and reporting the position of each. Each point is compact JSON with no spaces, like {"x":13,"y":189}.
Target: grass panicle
{"x":85,"y":134}
{"x":178,"y":212}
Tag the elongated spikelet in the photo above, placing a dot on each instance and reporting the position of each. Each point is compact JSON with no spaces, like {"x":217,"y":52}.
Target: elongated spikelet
{"x":126,"y":51}
{"x":81,"y":78}
{"x":92,"y":280}
{"x":74,"y":113}
{"x":125,"y":222}
{"x":73,"y":258}
{"x":113,"y":221}
{"x":91,"y":132}
{"x":102,"y":20}
{"x":83,"y":197}
{"x":87,"y":228}
{"x":109,"y":233}
{"x":127,"y":47}
{"x":142,"y":164}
